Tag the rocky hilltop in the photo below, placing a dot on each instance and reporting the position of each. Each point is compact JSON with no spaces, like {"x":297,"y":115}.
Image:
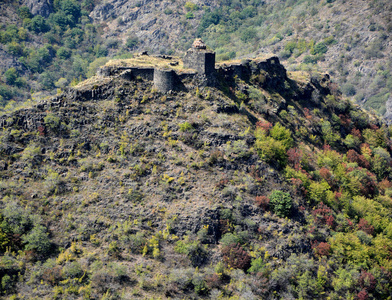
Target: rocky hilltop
{"x":229,"y":185}
{"x":349,"y":39}
{"x":45,"y":45}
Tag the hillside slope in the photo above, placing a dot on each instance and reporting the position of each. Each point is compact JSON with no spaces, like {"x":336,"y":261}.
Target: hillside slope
{"x":238,"y":190}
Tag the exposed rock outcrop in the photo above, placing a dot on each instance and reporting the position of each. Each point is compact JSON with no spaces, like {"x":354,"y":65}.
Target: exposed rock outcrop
{"x":40,"y":7}
{"x":388,"y":113}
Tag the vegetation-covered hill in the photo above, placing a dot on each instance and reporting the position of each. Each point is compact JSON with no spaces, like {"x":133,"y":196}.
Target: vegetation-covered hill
{"x":273,"y":187}
{"x":47,"y":45}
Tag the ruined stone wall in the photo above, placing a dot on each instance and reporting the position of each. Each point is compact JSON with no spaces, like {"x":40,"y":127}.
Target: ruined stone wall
{"x":272,"y":66}
{"x":233,"y":70}
{"x":275,"y":70}
{"x":145,"y":73}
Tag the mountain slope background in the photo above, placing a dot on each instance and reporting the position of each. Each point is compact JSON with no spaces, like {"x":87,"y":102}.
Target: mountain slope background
{"x":270,"y":186}
{"x":50,"y":45}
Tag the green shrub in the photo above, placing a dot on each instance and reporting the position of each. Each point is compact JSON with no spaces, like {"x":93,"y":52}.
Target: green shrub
{"x":229,"y":239}
{"x":68,"y":12}
{"x":318,"y":191}
{"x":52,"y":121}
{"x":16,"y":219}
{"x":38,"y":24}
{"x":308,"y":59}
{"x":6,"y":92}
{"x":257,"y":265}
{"x":73,"y":270}
{"x":52,"y":181}
{"x":132,"y":42}
{"x":6,"y":283}
{"x":31,"y":152}
{"x":280,"y":203}
{"x":193,"y":249}
{"x":24,"y":12}
{"x":238,"y":148}
{"x":37,"y":239}
{"x":135,"y":242}
{"x":189,"y":15}
{"x":329,"y":135}
{"x":63,"y":53}
{"x":319,"y":48}
{"x":270,"y":149}
{"x":15,"y":48}
{"x":200,"y":285}
{"x":330,"y":40}
{"x":290,"y":46}
{"x":248,"y":34}
{"x":209,"y":18}
{"x":282,"y":134}
{"x":351,"y":141}
{"x":349,"y":90}
{"x":185,"y":127}
{"x":190,"y":6}
{"x":40,"y":58}
{"x":11,"y":75}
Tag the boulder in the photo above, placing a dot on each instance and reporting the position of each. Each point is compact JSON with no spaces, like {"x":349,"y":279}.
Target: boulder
{"x":40,"y":7}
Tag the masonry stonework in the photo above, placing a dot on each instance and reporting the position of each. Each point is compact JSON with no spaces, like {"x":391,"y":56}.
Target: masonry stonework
{"x":200,"y":59}
{"x":164,"y":80}
{"x":199,"y":70}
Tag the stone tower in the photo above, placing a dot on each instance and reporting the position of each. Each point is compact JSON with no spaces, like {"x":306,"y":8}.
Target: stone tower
{"x":164,"y":79}
{"x":199,"y":58}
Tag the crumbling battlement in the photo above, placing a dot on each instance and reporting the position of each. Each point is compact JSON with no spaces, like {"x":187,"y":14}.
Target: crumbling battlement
{"x":166,"y":76}
{"x":198,"y":69}
{"x":127,"y":72}
{"x":249,"y":67}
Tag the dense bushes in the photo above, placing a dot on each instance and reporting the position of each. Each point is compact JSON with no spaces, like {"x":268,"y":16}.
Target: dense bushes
{"x":236,"y":257}
{"x":280,"y":203}
{"x":272,"y":144}
{"x":61,"y":31}
{"x":19,"y":228}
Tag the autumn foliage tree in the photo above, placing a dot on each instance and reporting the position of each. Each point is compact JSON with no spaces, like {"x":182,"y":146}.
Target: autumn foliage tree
{"x":236,"y":257}
{"x":262,"y":201}
{"x":323,"y":215}
{"x":321,"y":249}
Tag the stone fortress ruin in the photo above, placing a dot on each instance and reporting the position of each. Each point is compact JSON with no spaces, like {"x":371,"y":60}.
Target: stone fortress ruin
{"x":164,"y":73}
{"x":196,"y":68}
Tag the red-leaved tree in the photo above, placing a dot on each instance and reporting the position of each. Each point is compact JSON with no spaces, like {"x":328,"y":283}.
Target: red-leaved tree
{"x":321,"y":249}
{"x":264,"y":125}
{"x":365,"y":226}
{"x":294,"y":157}
{"x":367,"y":281}
{"x":353,"y":156}
{"x":236,"y":257}
{"x":323,"y":215}
{"x":262,"y":201}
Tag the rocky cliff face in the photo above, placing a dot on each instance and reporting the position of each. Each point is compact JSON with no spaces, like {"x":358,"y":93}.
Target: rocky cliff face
{"x":40,"y":7}
{"x":388,"y":114}
{"x":159,"y":25}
